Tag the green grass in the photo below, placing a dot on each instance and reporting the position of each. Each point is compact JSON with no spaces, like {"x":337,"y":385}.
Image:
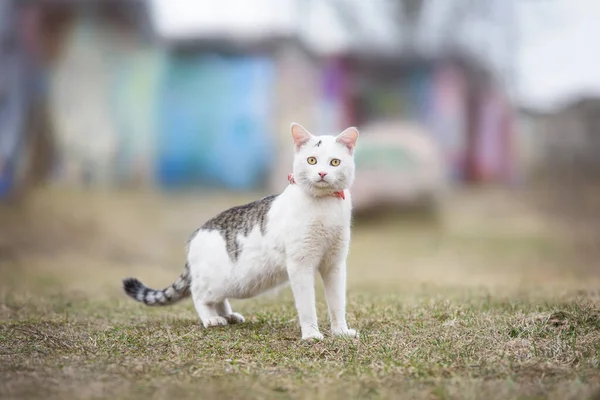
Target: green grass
{"x":468,"y":310}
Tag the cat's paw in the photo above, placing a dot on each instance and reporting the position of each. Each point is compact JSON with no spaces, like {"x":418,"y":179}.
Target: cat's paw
{"x":313,"y":336}
{"x":235,"y":318}
{"x":349,"y":333}
{"x":215,"y":321}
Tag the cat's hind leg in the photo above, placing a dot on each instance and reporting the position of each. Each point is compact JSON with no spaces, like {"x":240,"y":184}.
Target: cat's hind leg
{"x":209,"y":315}
{"x":224,"y":310}
{"x":207,"y":310}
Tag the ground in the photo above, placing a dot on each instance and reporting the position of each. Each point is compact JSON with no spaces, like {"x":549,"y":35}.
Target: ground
{"x":493,"y":302}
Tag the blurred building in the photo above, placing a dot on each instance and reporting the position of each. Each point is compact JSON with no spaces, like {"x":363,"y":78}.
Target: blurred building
{"x":559,"y":91}
{"x":189,"y":93}
{"x":566,"y":141}
{"x":25,"y":143}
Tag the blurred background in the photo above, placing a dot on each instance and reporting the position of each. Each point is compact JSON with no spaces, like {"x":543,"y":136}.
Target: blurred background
{"x":123,"y":119}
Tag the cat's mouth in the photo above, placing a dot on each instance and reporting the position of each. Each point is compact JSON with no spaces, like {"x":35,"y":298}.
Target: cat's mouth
{"x":322,"y":183}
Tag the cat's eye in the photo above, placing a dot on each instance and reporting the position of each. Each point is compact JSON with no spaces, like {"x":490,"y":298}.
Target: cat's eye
{"x":335,"y":162}
{"x":311,"y":160}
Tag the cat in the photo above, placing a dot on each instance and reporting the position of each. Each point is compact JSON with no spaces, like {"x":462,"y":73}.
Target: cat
{"x":250,"y":249}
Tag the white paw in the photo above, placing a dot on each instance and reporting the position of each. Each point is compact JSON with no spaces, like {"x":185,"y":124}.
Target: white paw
{"x":313,"y":336}
{"x":235,"y":318}
{"x":351,"y":333}
{"x":215,"y":321}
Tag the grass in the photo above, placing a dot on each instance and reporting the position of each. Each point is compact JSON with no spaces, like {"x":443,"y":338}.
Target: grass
{"x":487,"y":305}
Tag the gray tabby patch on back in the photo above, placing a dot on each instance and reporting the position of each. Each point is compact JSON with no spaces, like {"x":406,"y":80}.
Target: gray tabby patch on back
{"x":239,"y":220}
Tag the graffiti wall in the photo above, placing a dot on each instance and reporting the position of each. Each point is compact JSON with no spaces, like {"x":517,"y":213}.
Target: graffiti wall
{"x":447,"y":119}
{"x":298,"y":93}
{"x":333,"y":114}
{"x":434,"y":95}
{"x":134,"y":105}
{"x":127,"y":113}
{"x":494,"y":157}
{"x":21,"y":87}
{"x":80,"y":84}
{"x":214,"y":125}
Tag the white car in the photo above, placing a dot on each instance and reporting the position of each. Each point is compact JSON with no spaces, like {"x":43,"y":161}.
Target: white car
{"x":397,"y":164}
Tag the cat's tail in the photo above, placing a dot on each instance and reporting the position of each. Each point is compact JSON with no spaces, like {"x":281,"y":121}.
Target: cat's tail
{"x":179,"y":290}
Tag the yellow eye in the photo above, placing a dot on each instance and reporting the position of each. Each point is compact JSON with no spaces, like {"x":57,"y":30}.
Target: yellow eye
{"x":311,"y":160}
{"x":335,"y":162}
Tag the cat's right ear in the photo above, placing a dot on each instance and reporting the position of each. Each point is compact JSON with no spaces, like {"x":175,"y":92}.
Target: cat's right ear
{"x":300,"y":135}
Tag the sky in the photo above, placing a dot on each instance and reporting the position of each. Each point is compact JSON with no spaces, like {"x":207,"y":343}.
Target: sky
{"x":558,"y":56}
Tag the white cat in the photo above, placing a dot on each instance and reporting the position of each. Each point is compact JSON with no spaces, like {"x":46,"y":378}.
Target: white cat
{"x":247,"y":250}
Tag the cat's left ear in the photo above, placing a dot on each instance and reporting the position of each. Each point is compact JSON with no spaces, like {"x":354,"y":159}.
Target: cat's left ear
{"x":300,"y":135}
{"x":348,"y":138}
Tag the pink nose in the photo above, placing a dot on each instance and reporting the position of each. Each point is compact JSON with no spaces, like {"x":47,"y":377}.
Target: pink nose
{"x":322,"y":174}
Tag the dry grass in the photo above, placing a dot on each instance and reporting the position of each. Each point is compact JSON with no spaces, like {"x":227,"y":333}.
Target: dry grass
{"x":491,"y":304}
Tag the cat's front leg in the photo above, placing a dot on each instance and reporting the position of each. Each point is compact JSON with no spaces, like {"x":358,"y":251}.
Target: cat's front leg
{"x":302,"y":281}
{"x":334,"y":282}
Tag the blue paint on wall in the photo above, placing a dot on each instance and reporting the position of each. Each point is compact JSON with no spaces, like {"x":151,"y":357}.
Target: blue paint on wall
{"x":214,"y":121}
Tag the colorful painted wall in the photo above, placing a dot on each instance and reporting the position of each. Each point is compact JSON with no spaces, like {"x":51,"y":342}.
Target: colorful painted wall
{"x":21,"y":91}
{"x":81,"y":85}
{"x":298,"y":92}
{"x":127,"y":113}
{"x":214,"y":121}
{"x":434,"y":95}
{"x":447,"y":118}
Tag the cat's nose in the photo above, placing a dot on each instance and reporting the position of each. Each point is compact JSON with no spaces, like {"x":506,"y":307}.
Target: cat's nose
{"x":322,"y":174}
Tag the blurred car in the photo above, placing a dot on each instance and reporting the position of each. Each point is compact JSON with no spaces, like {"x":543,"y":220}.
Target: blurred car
{"x":397,"y":164}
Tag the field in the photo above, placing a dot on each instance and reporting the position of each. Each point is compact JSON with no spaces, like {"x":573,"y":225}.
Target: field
{"x":495,"y":302}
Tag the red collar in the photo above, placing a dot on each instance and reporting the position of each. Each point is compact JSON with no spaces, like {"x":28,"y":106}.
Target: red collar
{"x":339,"y":195}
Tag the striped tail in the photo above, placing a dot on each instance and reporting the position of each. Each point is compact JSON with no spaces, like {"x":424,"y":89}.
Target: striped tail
{"x":179,"y":290}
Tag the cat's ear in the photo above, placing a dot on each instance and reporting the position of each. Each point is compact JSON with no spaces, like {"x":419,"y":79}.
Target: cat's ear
{"x":348,"y":138}
{"x":300,"y":135}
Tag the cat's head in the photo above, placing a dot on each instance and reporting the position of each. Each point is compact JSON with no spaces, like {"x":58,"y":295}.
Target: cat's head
{"x":323,"y":164}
